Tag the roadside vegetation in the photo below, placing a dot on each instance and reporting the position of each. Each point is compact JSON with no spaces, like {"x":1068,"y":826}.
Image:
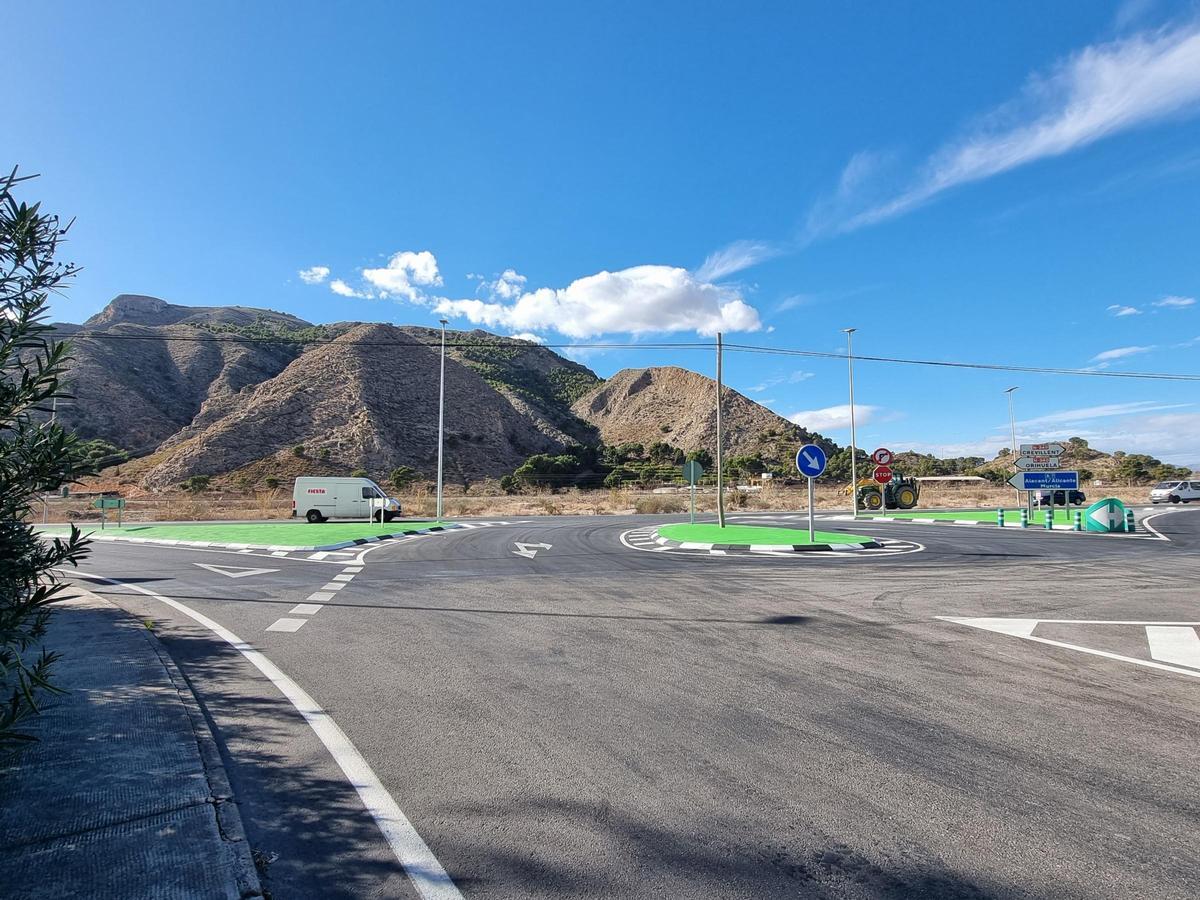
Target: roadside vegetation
{"x":36,"y":455}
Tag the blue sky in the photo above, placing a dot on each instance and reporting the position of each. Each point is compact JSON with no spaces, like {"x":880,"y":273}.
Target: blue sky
{"x":1014,"y":183}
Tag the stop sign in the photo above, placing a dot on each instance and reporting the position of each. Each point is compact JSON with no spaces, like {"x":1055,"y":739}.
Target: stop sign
{"x":883,"y":474}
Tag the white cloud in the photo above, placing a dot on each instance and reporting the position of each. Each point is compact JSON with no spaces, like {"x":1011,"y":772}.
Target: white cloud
{"x":792,"y":378}
{"x":638,"y":300}
{"x":314,"y":274}
{"x":529,"y":336}
{"x":734,"y":258}
{"x":833,"y":418}
{"x":1119,"y":353}
{"x":1174,"y":302}
{"x":507,"y":285}
{"x":1117,"y":310}
{"x":404,"y":273}
{"x":342,"y":289}
{"x":1087,"y":413}
{"x":1101,"y":90}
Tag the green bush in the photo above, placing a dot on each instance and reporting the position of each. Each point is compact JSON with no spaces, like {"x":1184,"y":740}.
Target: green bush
{"x":298,"y":450}
{"x":34,"y":455}
{"x":402,"y":476}
{"x":271,"y":482}
{"x":197,"y":484}
{"x":359,"y":473}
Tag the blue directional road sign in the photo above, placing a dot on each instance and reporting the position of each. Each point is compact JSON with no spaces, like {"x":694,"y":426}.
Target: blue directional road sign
{"x":811,"y":461}
{"x":1045,"y":481}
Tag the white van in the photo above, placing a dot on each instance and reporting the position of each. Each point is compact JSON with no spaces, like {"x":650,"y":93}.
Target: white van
{"x":318,"y":499}
{"x":1175,"y":492}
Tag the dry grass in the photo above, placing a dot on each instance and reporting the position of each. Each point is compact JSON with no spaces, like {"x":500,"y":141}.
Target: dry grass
{"x":420,"y":503}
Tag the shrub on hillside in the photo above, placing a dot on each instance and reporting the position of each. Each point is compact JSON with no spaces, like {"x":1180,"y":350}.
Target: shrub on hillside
{"x":35,"y":456}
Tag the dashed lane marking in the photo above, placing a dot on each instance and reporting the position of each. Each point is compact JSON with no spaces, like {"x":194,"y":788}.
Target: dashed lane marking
{"x":286,"y":624}
{"x":334,"y":586}
{"x":305,"y":609}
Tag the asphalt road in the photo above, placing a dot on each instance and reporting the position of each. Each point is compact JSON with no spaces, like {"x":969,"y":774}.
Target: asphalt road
{"x":591,"y":719}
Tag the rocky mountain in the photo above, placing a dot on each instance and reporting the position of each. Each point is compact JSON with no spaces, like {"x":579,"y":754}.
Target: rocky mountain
{"x":675,"y":405}
{"x":249,"y":393}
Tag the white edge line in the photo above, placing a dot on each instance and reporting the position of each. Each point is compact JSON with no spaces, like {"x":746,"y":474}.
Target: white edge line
{"x":422,"y":867}
{"x":1137,"y":662}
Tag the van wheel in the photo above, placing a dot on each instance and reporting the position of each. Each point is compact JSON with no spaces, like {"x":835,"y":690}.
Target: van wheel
{"x":1174,"y":499}
{"x":314,"y":517}
{"x":388,"y":516}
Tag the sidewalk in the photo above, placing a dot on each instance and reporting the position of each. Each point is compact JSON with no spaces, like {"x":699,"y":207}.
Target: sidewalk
{"x":124,"y":796}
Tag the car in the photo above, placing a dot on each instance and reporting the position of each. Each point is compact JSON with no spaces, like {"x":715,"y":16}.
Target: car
{"x":318,"y":499}
{"x":1175,"y":492}
{"x":1042,"y":498}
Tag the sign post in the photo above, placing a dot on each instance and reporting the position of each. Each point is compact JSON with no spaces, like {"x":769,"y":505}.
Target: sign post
{"x":811,"y":462}
{"x":106,"y":503}
{"x":1039,"y":458}
{"x":692,"y":471}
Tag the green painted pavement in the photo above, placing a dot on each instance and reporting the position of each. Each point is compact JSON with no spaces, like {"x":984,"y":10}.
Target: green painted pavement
{"x":709,"y":533}
{"x":276,"y":534}
{"x":1066,"y":517}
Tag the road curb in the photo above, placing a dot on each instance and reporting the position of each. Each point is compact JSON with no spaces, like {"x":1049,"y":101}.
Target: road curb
{"x":225,"y":805}
{"x":221,"y":545}
{"x":775,"y":548}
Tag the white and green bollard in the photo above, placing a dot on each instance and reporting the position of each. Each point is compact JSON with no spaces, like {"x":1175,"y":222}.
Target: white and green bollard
{"x":1000,"y":517}
{"x":1024,"y":518}
{"x":1049,"y":523}
{"x":1130,"y":523}
{"x":1077,"y":525}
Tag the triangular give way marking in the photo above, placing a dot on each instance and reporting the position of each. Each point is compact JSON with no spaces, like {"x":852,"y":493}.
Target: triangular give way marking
{"x":1167,"y":640}
{"x":234,"y":571}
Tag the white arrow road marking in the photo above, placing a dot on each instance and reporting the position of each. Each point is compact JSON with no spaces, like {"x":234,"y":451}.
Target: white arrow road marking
{"x":1174,"y":644}
{"x":234,"y":571}
{"x":527,"y":551}
{"x":1021,"y":628}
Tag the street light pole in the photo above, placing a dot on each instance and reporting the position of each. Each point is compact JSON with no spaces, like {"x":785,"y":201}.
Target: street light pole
{"x":1012,"y":424}
{"x":720,"y":454}
{"x":441,"y":418}
{"x":849,"y":332}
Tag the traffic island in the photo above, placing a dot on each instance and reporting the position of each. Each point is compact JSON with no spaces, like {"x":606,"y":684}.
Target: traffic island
{"x":710,"y":536}
{"x":276,"y":536}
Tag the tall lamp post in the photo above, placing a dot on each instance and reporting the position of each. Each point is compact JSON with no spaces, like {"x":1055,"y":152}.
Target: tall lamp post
{"x":720,"y":454}
{"x":849,"y":332}
{"x":1012,"y":424}
{"x":441,"y":418}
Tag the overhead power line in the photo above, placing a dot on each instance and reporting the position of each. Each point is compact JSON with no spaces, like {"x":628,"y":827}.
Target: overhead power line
{"x":636,"y":345}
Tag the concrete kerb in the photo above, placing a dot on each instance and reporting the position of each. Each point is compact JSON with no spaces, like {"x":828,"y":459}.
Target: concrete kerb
{"x":153,"y":831}
{"x":219,"y":545}
{"x":762,"y":548}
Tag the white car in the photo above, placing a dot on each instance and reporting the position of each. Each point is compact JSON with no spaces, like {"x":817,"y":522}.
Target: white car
{"x":1175,"y":492}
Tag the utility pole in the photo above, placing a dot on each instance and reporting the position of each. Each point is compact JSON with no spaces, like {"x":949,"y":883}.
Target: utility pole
{"x":1012,"y":424}
{"x":849,"y":332}
{"x":441,"y":418}
{"x":720,"y":454}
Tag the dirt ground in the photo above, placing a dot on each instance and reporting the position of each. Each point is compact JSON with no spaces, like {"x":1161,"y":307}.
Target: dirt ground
{"x":277,"y":504}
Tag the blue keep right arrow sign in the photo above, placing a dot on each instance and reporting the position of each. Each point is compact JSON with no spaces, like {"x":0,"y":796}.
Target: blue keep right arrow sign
{"x":811,"y":460}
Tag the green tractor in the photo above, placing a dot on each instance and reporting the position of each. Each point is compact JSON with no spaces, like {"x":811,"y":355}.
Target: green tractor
{"x":899,"y":493}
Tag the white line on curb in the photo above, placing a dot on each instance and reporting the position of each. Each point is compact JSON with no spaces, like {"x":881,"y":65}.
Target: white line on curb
{"x":422,"y":867}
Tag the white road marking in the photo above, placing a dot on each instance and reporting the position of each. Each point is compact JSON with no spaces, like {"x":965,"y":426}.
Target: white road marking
{"x":1174,"y":644}
{"x":320,"y":554}
{"x":353,"y":570}
{"x":305,"y":609}
{"x":234,"y":571}
{"x":422,"y":867}
{"x":528,"y":550}
{"x":343,"y":577}
{"x":286,"y":625}
{"x":321,"y":597}
{"x":991,"y":625}
{"x":279,"y":553}
{"x":334,"y":586}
